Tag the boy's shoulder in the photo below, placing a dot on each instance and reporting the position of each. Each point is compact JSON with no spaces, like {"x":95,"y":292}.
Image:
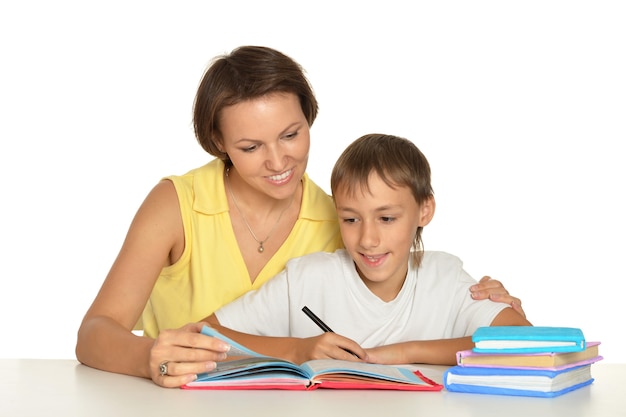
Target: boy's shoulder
{"x":324,"y":266}
{"x":317,"y":258}
{"x":439,"y":258}
{"x":440,"y":267}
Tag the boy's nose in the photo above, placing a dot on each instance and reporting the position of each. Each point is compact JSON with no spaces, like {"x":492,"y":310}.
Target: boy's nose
{"x":369,"y":235}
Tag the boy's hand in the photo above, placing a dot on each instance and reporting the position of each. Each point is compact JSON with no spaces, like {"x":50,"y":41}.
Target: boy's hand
{"x":388,"y":354}
{"x":329,"y":346}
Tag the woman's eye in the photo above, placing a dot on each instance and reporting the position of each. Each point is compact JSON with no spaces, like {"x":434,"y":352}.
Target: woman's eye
{"x":349,"y":220}
{"x":290,"y":135}
{"x":250,"y":148}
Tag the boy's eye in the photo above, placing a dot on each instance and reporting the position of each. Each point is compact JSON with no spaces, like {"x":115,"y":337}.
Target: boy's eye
{"x":349,"y":220}
{"x":386,"y":219}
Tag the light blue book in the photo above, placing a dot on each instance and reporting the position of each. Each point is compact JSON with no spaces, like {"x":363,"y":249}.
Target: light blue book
{"x":528,"y":339}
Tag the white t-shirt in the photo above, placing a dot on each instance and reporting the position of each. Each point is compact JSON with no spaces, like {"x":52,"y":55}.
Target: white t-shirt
{"x":434,"y":302}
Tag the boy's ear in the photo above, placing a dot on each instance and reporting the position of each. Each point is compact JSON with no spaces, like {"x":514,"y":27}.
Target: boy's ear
{"x":427,"y":211}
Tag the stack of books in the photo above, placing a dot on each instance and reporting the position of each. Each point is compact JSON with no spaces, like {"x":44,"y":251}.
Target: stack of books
{"x":524,"y":361}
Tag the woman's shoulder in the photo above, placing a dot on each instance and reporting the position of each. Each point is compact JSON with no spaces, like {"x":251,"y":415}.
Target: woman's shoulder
{"x":203,"y":187}
{"x":316,"y":203}
{"x":210,"y":170}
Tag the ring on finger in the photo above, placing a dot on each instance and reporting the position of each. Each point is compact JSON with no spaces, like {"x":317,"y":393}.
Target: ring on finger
{"x":163,"y":368}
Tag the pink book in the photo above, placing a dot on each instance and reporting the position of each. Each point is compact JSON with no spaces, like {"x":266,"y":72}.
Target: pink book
{"x":538,"y":360}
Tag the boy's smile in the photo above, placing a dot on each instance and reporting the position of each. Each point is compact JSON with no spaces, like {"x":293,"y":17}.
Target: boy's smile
{"x":378,"y":226}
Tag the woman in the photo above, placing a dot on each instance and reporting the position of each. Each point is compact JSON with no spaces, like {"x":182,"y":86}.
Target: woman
{"x":204,"y":238}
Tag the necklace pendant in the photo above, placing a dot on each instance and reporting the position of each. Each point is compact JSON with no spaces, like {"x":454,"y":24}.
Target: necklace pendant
{"x":260,"y":249}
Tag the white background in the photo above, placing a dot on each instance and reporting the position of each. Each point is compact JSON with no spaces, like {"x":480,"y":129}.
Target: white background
{"x":519,"y":106}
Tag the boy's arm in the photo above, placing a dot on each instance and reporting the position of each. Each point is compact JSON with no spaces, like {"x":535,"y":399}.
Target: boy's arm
{"x":276,"y":347}
{"x":434,"y":352}
{"x":294,"y":349}
{"x":437,"y":352}
{"x":510,"y":317}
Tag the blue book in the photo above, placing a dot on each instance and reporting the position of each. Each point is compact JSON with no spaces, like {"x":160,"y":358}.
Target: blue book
{"x":528,"y":339}
{"x":519,"y":382}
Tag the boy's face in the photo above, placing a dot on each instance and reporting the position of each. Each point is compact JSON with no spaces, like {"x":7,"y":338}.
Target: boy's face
{"x":378,"y":229}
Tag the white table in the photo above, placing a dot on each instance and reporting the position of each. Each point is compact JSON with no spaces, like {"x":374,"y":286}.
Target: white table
{"x":37,"y":387}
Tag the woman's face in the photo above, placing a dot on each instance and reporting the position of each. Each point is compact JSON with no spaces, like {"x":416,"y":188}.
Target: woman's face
{"x":267,"y":139}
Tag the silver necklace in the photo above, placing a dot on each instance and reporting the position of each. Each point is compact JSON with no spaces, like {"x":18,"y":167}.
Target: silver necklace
{"x":260,"y":242}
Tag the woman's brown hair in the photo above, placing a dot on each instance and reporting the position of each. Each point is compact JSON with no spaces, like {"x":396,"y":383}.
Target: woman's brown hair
{"x":248,"y":72}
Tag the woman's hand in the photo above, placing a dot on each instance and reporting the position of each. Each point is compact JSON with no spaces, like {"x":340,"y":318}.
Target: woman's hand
{"x":493,"y":290}
{"x":178,"y":355}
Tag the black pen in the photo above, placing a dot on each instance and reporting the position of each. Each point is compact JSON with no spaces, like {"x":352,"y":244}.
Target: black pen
{"x":317,"y":320}
{"x":322,"y":325}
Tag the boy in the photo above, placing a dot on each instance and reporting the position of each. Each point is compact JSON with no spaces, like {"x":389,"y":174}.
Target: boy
{"x":386,"y":299}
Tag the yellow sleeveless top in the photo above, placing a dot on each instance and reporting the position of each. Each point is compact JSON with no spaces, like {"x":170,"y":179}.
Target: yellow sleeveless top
{"x":211,"y":271}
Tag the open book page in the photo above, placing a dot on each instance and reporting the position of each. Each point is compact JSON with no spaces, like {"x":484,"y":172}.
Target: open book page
{"x":257,"y":364}
{"x":334,"y":368}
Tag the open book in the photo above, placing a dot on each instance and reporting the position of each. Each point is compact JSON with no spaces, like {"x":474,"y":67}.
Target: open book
{"x":250,"y":370}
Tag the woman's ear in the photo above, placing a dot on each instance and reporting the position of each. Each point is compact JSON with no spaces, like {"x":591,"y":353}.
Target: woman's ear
{"x":427,"y":211}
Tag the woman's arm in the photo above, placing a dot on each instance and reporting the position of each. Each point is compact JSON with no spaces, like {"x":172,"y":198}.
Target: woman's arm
{"x":105,"y":339}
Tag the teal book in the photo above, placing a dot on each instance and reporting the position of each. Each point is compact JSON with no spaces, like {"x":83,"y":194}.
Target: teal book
{"x":528,"y":339}
{"x":517,"y":382}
